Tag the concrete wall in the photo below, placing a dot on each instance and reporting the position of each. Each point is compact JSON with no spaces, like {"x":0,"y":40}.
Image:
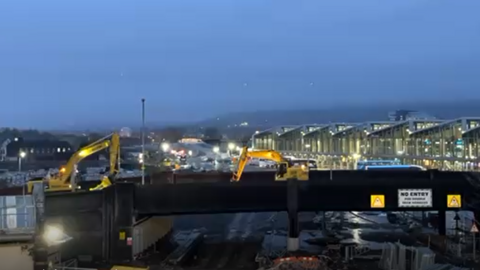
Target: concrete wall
{"x":15,"y":257}
{"x":37,"y":165}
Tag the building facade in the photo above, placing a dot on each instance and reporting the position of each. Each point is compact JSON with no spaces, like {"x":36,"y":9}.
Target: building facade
{"x":36,"y":150}
{"x":447,"y":145}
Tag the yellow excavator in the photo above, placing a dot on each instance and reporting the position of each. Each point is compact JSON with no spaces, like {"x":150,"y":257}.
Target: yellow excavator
{"x":64,"y":180}
{"x":285,"y":169}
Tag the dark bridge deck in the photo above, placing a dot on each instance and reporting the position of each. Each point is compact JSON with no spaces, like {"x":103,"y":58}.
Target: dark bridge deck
{"x":329,"y":191}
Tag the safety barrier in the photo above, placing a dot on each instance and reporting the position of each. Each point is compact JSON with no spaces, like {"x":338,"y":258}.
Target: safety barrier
{"x":394,"y":256}
{"x":68,"y":265}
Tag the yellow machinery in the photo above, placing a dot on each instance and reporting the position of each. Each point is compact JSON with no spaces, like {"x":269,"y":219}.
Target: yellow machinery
{"x":285,"y":170}
{"x":65,"y":179}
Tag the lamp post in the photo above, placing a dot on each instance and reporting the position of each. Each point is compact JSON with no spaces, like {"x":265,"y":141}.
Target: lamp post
{"x":21,"y":155}
{"x":143,"y":141}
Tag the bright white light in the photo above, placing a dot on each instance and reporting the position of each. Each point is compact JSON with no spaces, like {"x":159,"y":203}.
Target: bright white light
{"x":190,"y":153}
{"x":23,"y":154}
{"x":165,"y":147}
{"x":237,"y":148}
{"x":231,"y":146}
{"x":356,"y":156}
{"x":53,"y":234}
{"x":216,"y":149}
{"x":140,"y":156}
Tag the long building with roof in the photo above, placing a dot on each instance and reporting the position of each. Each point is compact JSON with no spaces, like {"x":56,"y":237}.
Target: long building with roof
{"x":441,"y":144}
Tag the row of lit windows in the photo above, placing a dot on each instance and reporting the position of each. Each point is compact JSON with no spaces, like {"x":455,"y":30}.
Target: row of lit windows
{"x":45,"y":150}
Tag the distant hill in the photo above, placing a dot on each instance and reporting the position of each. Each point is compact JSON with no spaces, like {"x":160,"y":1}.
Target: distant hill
{"x":444,"y":110}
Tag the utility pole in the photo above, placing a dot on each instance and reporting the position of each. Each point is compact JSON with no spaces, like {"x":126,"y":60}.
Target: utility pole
{"x":143,"y":141}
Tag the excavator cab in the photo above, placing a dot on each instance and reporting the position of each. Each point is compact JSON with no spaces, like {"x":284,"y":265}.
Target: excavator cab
{"x":286,"y":171}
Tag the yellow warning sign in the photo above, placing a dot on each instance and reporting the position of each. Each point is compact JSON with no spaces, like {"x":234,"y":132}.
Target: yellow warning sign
{"x":122,"y":236}
{"x":454,"y":201}
{"x":377,"y":201}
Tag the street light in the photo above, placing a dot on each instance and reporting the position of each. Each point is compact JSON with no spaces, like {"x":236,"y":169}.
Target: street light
{"x":356,"y":156}
{"x":231,"y":146}
{"x":143,"y":140}
{"x":21,"y":155}
{"x":216,"y":149}
{"x":165,"y":147}
{"x":54,"y":235}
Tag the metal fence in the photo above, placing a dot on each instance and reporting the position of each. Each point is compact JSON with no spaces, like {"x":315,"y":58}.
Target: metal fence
{"x":17,"y":214}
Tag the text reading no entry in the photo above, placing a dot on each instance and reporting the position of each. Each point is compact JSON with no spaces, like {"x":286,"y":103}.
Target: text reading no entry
{"x":414,"y":198}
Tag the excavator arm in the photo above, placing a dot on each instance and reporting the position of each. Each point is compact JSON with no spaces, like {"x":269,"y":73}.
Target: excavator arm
{"x":266,"y":154}
{"x":114,"y":163}
{"x":63,"y":179}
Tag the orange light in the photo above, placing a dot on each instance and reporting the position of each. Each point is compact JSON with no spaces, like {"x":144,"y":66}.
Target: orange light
{"x":62,"y":169}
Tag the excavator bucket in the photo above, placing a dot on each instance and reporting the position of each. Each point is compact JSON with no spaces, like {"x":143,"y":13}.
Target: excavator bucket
{"x":282,"y":172}
{"x":103,"y":184}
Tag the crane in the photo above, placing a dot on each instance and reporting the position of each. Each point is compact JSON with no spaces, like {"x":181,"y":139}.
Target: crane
{"x":65,"y":179}
{"x":285,"y":170}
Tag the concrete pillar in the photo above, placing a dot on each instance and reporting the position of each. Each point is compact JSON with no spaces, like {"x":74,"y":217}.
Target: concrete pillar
{"x":40,"y":249}
{"x":122,"y":223}
{"x":293,"y":242}
{"x":442,"y":222}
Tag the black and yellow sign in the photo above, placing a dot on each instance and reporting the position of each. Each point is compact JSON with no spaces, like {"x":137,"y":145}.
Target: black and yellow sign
{"x":454,"y":201}
{"x":377,"y":201}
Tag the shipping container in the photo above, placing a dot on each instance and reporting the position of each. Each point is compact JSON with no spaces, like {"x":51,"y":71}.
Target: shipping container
{"x":148,"y":231}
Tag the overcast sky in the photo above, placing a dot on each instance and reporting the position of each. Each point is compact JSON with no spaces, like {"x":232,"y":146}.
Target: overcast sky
{"x":77,"y":62}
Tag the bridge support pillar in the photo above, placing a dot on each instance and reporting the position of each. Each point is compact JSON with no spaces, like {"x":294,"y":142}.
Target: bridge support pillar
{"x":121,"y":230}
{"x":442,"y":222}
{"x":293,"y":243}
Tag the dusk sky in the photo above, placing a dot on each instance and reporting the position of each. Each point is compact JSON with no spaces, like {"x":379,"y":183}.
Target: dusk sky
{"x":70,"y":63}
